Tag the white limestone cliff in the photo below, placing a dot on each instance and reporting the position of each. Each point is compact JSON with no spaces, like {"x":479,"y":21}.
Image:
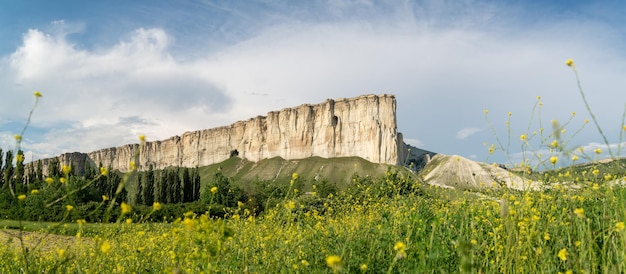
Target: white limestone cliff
{"x":363,"y":126}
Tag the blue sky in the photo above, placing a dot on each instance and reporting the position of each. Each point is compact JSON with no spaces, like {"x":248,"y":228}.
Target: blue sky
{"x":111,"y":70}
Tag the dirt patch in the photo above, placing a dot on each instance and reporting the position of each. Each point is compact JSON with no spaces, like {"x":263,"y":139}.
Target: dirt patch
{"x":40,"y":242}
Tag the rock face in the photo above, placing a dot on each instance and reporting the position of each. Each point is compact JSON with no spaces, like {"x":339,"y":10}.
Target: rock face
{"x":363,"y":126}
{"x":453,"y":171}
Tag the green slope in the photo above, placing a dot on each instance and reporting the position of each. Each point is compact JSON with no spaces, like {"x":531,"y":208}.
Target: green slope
{"x":334,"y":170}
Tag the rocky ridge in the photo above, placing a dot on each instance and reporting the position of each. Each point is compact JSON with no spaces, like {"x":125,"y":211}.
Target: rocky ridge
{"x":363,"y":126}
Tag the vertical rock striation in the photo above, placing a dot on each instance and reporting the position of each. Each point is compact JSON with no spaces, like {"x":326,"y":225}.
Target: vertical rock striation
{"x":363,"y":126}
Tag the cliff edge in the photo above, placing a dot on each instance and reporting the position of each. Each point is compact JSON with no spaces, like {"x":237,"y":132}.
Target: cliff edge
{"x":363,"y":126}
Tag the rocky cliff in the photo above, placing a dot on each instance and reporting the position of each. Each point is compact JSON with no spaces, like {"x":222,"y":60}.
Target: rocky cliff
{"x":363,"y":126}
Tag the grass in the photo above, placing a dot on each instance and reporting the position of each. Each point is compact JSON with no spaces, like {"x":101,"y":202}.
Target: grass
{"x":517,"y":232}
{"x":335,"y":170}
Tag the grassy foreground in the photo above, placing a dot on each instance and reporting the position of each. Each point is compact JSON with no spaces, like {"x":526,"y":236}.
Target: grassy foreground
{"x":375,"y":226}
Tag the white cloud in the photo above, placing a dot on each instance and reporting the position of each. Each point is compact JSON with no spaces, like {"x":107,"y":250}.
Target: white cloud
{"x":414,"y":142}
{"x":467,"y":132}
{"x":93,"y":91}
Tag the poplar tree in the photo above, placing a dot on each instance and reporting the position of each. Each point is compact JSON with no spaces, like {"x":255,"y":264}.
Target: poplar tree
{"x":139,"y":191}
{"x":148,"y":187}
{"x":187,"y":186}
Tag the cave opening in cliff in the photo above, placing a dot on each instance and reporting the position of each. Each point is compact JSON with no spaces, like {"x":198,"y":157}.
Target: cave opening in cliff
{"x":334,"y":121}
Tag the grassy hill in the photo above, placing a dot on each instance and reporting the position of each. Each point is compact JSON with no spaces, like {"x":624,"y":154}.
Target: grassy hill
{"x":334,"y":170}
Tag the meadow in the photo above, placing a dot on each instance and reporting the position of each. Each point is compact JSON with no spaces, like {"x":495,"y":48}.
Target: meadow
{"x":392,"y":223}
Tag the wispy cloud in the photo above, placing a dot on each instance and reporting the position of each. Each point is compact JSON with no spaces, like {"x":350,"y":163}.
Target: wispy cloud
{"x":467,"y":132}
{"x":414,"y":142}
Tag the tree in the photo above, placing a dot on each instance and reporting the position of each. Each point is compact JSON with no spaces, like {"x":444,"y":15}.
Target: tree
{"x":1,"y":169}
{"x":187,"y":186}
{"x":19,"y":170}
{"x":31,"y":178}
{"x":174,"y":180}
{"x":54,"y":168}
{"x":90,"y":171}
{"x":196,"y":184}
{"x":139,"y":191}
{"x":39,"y":172}
{"x":162,"y":183}
{"x":148,"y":187}
{"x":227,"y":193}
{"x":8,"y":171}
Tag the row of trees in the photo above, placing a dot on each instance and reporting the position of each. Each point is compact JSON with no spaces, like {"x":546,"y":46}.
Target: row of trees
{"x":48,"y":193}
{"x":173,"y":185}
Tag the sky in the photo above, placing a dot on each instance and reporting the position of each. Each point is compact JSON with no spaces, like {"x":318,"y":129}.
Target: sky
{"x":112,"y":70}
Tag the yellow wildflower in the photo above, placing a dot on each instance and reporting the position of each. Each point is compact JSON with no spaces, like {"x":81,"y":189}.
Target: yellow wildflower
{"x":562,"y":254}
{"x":21,"y":197}
{"x":129,"y":221}
{"x":555,"y":143}
{"x":580,"y":212}
{"x":595,"y":172}
{"x":189,"y":223}
{"x":597,"y":151}
{"x":290,"y":205}
{"x":294,"y":176}
{"x":61,"y":252}
{"x":105,"y":247}
{"x":133,"y":166}
{"x":17,"y":137}
{"x":19,"y":158}
{"x":363,"y":267}
{"x":66,"y":169}
{"x":126,"y":208}
{"x":142,"y":138}
{"x":81,"y":221}
{"x":37,"y":94}
{"x":492,"y":149}
{"x":104,"y":171}
{"x":49,"y":180}
{"x":523,"y":137}
{"x":619,"y":226}
{"x":214,"y":190}
{"x":554,"y":159}
{"x":104,"y":198}
{"x":538,"y":97}
{"x":34,"y":191}
{"x":69,"y":207}
{"x":574,"y":158}
{"x":334,"y":262}
{"x":569,"y":62}
{"x":401,"y":249}
{"x":156,"y":206}
{"x":62,"y":180}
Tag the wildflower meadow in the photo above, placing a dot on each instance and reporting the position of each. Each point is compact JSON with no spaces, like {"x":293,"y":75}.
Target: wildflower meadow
{"x":393,"y":223}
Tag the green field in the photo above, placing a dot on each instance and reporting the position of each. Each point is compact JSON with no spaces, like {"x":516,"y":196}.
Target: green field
{"x":386,"y":224}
